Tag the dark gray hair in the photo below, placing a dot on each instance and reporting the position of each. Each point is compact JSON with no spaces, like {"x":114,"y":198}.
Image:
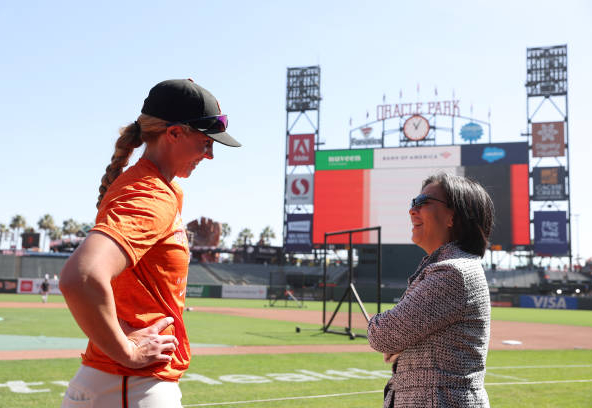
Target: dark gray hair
{"x":473,"y":211}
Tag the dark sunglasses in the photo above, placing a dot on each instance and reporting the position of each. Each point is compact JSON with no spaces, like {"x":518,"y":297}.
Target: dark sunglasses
{"x":422,"y":199}
{"x":208,"y":124}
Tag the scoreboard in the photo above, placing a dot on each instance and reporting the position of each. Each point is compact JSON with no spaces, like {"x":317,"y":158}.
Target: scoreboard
{"x":373,"y":187}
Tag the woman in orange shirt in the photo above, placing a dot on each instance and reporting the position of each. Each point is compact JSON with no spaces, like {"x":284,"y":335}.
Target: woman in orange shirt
{"x":125,"y":284}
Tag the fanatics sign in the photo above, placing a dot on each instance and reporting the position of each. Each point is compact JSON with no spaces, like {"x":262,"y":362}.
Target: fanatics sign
{"x":301,"y":151}
{"x":547,"y":139}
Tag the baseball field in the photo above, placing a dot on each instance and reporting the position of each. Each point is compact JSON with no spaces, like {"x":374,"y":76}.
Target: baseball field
{"x":247,"y":354}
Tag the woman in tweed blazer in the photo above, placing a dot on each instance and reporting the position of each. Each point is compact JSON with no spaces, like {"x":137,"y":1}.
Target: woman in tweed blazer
{"x":438,"y":334}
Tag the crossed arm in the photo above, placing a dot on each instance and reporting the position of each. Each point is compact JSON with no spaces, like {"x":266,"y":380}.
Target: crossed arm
{"x":85,"y":282}
{"x":436,"y":302}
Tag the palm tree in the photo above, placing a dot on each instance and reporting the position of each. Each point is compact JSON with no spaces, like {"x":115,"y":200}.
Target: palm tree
{"x":46,"y":224}
{"x":70,"y":227}
{"x":224,"y":232}
{"x":17,"y":223}
{"x":244,"y":237}
{"x":86,"y":227}
{"x":266,"y":236}
{"x":3,"y":230}
{"x":55,"y":233}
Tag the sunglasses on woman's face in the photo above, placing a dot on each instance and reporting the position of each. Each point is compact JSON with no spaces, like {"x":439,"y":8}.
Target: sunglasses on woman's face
{"x":208,"y":124}
{"x":422,"y":199}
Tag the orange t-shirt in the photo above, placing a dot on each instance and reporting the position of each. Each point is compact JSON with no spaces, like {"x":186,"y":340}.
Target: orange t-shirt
{"x":141,"y":212}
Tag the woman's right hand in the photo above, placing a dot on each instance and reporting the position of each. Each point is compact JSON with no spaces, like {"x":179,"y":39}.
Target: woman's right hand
{"x":390,"y":358}
{"x":147,"y":346}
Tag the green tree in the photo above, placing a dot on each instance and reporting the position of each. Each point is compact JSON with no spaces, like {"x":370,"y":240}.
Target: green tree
{"x":266,"y":236}
{"x":70,"y":227}
{"x":244,"y":237}
{"x":224,"y":233}
{"x":17,"y":223}
{"x":86,"y":227}
{"x":46,"y":224}
{"x":55,"y":233}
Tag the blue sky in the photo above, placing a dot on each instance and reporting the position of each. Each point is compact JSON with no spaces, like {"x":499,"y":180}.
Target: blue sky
{"x":73,"y":74}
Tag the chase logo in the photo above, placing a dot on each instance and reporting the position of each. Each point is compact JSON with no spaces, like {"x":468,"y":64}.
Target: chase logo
{"x":492,"y":154}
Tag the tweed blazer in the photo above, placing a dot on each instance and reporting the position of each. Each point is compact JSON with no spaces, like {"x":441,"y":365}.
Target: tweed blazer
{"x":440,"y":327}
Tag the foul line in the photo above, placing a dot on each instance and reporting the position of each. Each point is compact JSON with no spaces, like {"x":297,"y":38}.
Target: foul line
{"x":282,"y":399}
{"x":508,"y":376}
{"x":540,"y":366}
{"x":212,"y":404}
{"x":539,"y":382}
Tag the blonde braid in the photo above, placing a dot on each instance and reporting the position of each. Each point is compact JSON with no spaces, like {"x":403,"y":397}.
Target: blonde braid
{"x":130,"y":138}
{"x":146,"y":129}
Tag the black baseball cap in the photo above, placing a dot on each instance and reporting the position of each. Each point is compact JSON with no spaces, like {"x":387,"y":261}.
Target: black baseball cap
{"x":183,"y":101}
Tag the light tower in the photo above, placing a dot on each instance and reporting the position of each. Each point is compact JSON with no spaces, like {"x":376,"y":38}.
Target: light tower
{"x":548,"y":131}
{"x":303,"y":96}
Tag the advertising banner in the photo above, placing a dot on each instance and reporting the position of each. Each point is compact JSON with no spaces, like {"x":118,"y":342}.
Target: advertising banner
{"x":8,"y":285}
{"x":30,"y":239}
{"x":548,"y":302}
{"x":549,"y":183}
{"x":299,"y":233}
{"x":301,"y":150}
{"x":499,"y":153}
{"x":365,"y":137}
{"x":547,"y":139}
{"x":408,"y":157}
{"x":344,"y":159}
{"x":244,"y":291}
{"x":33,"y":286}
{"x":206,"y":291}
{"x":550,"y":233}
{"x":299,"y":189}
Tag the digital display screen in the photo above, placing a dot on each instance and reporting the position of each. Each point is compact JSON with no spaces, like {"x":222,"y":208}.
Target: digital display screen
{"x":356,"y":196}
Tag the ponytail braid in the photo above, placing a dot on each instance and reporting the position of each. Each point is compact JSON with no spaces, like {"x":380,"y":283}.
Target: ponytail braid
{"x":130,"y":138}
{"x":144,"y":130}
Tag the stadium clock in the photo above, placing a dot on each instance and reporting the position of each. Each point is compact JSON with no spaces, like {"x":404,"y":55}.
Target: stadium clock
{"x":416,"y":127}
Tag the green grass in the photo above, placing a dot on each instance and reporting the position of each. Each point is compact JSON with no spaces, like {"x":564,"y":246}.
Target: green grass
{"x":224,"y":329}
{"x":39,"y":322}
{"x":202,"y":327}
{"x":36,"y":298}
{"x":280,"y":305}
{"x":503,"y":366}
{"x":540,"y":395}
{"x":552,"y":316}
{"x":264,"y":366}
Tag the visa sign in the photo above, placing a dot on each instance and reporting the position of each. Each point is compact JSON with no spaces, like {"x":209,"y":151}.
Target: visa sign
{"x":548,"y":302}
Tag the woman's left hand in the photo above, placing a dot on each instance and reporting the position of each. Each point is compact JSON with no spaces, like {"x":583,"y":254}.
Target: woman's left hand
{"x":390,"y":358}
